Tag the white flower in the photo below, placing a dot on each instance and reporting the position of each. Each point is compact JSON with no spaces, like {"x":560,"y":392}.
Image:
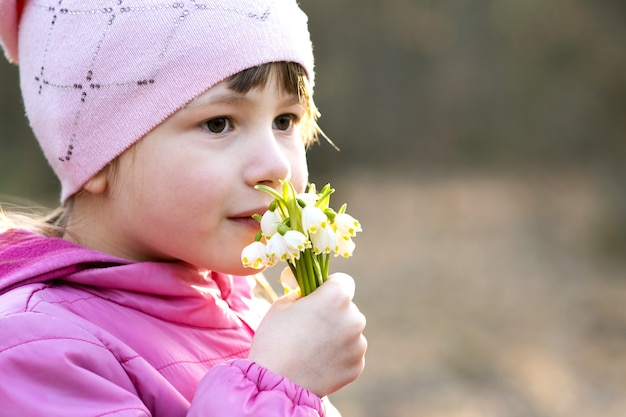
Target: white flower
{"x":313,"y":218}
{"x":287,"y":247}
{"x":345,"y":247}
{"x":288,"y":281}
{"x":324,"y":240}
{"x":270,"y":222}
{"x":310,"y":198}
{"x":347,"y":225}
{"x":254,"y":256}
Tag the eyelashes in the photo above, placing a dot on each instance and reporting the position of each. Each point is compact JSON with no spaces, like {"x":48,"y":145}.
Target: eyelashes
{"x":285,"y":122}
{"x":224,"y":124}
{"x":217,"y":125}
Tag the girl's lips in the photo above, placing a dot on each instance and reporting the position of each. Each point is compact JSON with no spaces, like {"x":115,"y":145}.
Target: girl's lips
{"x":245,"y":218}
{"x":247,"y":221}
{"x":248,"y":214}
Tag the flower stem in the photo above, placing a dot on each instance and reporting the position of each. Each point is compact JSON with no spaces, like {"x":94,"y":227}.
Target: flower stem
{"x":324,"y":262}
{"x":318,"y":277}
{"x":298,"y":273}
{"x":310,"y":271}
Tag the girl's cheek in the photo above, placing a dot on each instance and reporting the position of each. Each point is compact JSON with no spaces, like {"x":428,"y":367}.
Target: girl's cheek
{"x":300,"y":175}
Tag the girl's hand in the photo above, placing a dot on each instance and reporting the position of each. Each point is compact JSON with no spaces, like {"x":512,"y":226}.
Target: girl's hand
{"x":316,"y":341}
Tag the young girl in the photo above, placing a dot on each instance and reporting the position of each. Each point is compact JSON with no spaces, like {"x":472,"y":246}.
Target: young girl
{"x":131,"y":300}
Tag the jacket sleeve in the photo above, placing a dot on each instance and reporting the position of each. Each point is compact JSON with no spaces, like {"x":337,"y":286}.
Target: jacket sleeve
{"x":49,"y":367}
{"x":52,"y":367}
{"x":241,"y":388}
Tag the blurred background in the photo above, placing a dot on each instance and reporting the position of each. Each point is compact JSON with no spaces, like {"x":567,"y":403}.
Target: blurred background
{"x":483,"y":148}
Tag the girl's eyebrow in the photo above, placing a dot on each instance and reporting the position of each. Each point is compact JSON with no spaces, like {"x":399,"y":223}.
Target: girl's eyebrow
{"x":233,"y":98}
{"x":292,"y":100}
{"x":226,"y":98}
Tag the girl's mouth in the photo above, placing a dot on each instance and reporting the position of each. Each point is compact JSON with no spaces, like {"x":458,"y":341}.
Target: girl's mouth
{"x":246,"y":221}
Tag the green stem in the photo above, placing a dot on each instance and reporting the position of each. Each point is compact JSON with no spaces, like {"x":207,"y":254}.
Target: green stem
{"x":269,"y":190}
{"x":324,"y":262}
{"x":314,"y":267}
{"x":304,"y":270}
{"x":311,"y":275}
{"x":301,"y":277}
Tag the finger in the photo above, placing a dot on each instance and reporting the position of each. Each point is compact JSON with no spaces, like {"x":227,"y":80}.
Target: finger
{"x":345,"y":281}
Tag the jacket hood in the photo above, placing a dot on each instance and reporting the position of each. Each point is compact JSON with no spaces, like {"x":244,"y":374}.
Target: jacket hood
{"x":175,"y":292}
{"x":28,"y":258}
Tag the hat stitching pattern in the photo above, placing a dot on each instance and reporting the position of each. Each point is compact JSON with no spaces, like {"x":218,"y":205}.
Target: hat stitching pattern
{"x":86,"y":86}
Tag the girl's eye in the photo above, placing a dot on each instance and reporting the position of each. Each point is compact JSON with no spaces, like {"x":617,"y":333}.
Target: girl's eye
{"x":217,"y":125}
{"x":285,"y":121}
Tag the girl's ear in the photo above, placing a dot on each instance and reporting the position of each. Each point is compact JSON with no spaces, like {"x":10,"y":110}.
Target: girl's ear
{"x":98,"y":183}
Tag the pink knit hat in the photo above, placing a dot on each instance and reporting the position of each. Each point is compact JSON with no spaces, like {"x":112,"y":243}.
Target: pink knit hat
{"x":97,"y":76}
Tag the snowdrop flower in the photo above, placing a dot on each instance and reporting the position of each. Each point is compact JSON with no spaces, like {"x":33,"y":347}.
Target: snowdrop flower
{"x":288,"y":281}
{"x":313,"y":218}
{"x":347,"y":225}
{"x":287,"y":247}
{"x":345,"y":247}
{"x":324,"y":240}
{"x":270,"y":222}
{"x":254,"y":256}
{"x":309,"y":198}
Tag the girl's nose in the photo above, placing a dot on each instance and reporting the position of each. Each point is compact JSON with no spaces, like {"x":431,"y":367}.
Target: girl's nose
{"x":269,"y":162}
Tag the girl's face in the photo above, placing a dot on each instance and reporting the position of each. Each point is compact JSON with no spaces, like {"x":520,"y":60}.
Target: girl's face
{"x":186,"y":190}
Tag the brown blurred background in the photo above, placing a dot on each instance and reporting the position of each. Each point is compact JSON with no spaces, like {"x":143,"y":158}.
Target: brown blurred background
{"x":483,"y":147}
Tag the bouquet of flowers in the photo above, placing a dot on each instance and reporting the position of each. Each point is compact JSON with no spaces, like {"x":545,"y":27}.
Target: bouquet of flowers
{"x":302,"y":230}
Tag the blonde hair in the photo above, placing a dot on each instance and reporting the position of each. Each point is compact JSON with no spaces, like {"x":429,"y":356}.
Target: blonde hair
{"x":291,"y":78}
{"x":38,"y":220}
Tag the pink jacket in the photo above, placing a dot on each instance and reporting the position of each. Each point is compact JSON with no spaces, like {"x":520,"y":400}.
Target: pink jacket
{"x":83,"y":333}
